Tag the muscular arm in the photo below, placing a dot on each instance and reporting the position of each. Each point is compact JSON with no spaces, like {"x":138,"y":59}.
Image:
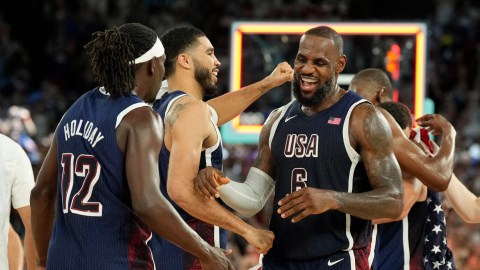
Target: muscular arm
{"x":434,"y":172}
{"x":368,"y":132}
{"x":233,"y":103}
{"x":185,"y":148}
{"x":412,"y":189}
{"x":140,"y":136}
{"x":369,"y":129}
{"x":42,"y":203}
{"x":465,"y":203}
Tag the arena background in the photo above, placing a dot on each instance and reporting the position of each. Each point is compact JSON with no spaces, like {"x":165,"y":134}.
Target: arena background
{"x":43,"y":69}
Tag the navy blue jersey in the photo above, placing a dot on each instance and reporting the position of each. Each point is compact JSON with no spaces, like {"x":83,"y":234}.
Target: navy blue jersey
{"x":399,"y":244}
{"x":315,"y":151}
{"x":95,"y":227}
{"x":166,"y":254}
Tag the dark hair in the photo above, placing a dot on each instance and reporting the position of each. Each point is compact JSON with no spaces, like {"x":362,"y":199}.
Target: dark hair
{"x":176,"y":41}
{"x":400,"y":113}
{"x":112,"y":52}
{"x":374,"y":78}
{"x":327,"y":32}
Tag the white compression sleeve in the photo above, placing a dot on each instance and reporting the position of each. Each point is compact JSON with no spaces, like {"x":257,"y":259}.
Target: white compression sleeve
{"x":248,"y":197}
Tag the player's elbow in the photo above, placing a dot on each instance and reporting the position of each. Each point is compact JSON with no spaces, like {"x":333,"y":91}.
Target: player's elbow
{"x":180,"y":197}
{"x":441,"y":182}
{"x":144,"y":207}
{"x":42,"y":195}
{"x":394,"y":207}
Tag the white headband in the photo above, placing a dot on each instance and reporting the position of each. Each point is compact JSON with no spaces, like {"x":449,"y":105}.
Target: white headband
{"x":156,"y":51}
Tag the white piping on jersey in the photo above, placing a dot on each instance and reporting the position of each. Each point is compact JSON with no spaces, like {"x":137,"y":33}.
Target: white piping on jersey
{"x":353,"y":265}
{"x":209,"y":150}
{"x":283,"y":110}
{"x":216,"y":236}
{"x":150,"y":250}
{"x":373,"y":244}
{"x":127,"y":110}
{"x":171,"y":103}
{"x":406,"y":246}
{"x":354,"y":158}
{"x":348,"y":218}
{"x":346,"y":139}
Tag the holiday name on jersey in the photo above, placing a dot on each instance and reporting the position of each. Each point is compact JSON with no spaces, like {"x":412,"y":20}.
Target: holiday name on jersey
{"x":87,"y":131}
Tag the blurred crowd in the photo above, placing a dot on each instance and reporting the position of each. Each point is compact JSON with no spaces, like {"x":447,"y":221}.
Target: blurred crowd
{"x":43,"y":69}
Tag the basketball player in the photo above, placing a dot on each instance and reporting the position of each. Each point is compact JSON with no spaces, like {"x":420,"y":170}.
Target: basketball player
{"x":402,"y":236}
{"x":328,"y":154}
{"x":100,"y":179}
{"x":193,"y":141}
{"x":432,"y":171}
{"x":375,"y":86}
{"x":16,"y":183}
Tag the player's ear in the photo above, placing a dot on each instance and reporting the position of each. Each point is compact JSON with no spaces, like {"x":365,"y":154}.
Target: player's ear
{"x":381,"y":95}
{"x":184,"y":61}
{"x":341,"y":64}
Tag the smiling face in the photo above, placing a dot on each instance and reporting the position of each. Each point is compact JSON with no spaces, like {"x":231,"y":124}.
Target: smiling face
{"x":316,"y":67}
{"x":206,"y":66}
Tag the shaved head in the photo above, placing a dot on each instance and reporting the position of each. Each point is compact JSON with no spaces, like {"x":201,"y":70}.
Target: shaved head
{"x":372,"y":84}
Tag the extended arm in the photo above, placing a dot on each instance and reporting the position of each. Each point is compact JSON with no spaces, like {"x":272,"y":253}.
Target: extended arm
{"x":247,"y":198}
{"x":434,"y":172}
{"x":42,"y":203}
{"x":233,"y":103}
{"x":185,"y":149}
{"x":140,"y":135}
{"x":465,"y":203}
{"x":370,"y":131}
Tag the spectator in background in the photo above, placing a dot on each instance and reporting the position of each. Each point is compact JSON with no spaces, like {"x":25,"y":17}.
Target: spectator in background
{"x":16,"y":182}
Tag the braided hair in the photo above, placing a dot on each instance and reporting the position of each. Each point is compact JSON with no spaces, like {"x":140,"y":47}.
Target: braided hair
{"x":112,"y":52}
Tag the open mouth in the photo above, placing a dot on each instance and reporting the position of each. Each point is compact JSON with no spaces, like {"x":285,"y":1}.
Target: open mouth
{"x":308,"y":83}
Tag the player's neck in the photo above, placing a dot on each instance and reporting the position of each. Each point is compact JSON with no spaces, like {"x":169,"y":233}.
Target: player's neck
{"x":327,"y":102}
{"x":186,"y":84}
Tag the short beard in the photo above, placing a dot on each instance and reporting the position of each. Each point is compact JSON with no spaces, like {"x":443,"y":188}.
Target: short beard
{"x":204,"y":78}
{"x":317,"y":98}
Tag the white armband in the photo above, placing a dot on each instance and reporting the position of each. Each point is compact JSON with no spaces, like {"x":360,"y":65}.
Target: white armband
{"x":249,"y":197}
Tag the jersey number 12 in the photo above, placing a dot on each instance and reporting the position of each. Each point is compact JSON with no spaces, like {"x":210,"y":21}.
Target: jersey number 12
{"x":86,"y":168}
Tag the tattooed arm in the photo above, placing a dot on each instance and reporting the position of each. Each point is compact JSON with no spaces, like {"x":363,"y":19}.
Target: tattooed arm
{"x":435,"y":172}
{"x":188,"y":130}
{"x":370,"y":133}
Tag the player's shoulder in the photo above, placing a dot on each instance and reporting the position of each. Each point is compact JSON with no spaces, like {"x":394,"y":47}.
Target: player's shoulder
{"x":140,"y":117}
{"x":188,"y":105}
{"x":277,"y":113}
{"x":366,"y":112}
